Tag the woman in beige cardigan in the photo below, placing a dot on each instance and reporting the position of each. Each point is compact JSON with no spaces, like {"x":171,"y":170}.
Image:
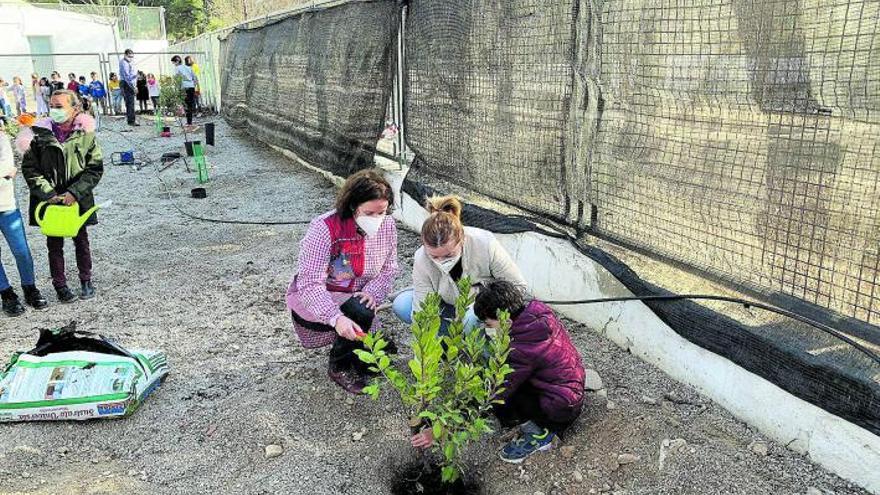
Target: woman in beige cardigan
{"x":449,"y":252}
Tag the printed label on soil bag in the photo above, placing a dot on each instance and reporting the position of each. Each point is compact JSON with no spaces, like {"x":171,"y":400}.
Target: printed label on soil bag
{"x":77,"y":385}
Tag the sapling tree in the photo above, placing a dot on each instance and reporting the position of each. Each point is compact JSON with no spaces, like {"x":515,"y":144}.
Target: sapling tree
{"x":452,"y":380}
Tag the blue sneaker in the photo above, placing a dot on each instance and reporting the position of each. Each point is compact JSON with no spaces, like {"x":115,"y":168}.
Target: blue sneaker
{"x":534,"y":439}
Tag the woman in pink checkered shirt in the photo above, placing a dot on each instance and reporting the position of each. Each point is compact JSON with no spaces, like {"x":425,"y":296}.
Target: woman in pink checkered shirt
{"x":347,"y":264}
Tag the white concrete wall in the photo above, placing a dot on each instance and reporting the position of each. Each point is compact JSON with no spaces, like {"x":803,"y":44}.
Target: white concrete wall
{"x":556,"y":270}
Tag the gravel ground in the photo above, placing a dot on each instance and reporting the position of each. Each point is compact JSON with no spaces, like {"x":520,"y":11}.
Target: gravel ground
{"x":211,"y":296}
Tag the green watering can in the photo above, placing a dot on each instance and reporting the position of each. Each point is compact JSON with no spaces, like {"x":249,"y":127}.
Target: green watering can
{"x":63,"y":221}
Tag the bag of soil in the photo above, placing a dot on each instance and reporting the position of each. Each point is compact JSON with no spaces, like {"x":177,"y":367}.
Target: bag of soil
{"x":77,"y":375}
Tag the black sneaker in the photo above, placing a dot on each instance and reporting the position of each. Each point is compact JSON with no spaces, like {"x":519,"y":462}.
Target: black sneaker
{"x":65,"y":295}
{"x":88,"y":290}
{"x":33,"y":297}
{"x":11,"y":305}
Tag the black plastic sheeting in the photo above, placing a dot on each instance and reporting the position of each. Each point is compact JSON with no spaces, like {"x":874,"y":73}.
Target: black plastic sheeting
{"x":316,"y":82}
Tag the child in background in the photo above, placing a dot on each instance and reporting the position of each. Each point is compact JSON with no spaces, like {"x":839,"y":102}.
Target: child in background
{"x":545,"y":391}
{"x":143,"y":94}
{"x":115,"y":93}
{"x":5,"y":109}
{"x":153,"y":89}
{"x":98,"y":93}
{"x":18,"y":95}
{"x":43,"y":94}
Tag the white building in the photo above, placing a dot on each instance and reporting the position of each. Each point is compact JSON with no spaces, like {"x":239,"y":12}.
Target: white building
{"x":40,"y":38}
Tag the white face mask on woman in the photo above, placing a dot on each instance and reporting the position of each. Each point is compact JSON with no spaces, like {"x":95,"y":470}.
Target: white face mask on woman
{"x":370,"y":224}
{"x":448,"y":264}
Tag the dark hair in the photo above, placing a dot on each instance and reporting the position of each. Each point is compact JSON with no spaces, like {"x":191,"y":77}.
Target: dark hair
{"x":176,"y":59}
{"x":128,"y":51}
{"x":72,"y":75}
{"x":499,"y":295}
{"x":361,"y":187}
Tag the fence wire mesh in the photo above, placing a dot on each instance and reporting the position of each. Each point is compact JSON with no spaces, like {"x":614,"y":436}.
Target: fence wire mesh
{"x":741,"y":138}
{"x":738,"y":137}
{"x":488,"y":89}
{"x":316,"y":83}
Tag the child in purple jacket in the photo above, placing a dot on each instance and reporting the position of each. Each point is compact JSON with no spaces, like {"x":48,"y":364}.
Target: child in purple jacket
{"x":545,"y":391}
{"x":546,"y":387}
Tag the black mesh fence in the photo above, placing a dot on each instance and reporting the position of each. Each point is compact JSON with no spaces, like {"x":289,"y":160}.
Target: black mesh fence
{"x":316,"y":82}
{"x":740,"y":138}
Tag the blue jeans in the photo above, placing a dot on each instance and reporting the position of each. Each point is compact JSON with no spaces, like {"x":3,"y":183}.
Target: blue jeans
{"x":403,"y":308}
{"x":12,"y":226}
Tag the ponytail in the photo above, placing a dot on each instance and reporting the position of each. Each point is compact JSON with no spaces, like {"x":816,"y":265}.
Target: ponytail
{"x":444,"y":221}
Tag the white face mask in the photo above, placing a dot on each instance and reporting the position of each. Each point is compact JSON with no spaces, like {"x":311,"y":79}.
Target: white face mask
{"x":448,"y":264}
{"x":370,"y":225}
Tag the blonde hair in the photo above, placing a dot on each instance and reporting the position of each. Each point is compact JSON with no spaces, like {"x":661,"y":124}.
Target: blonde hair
{"x":75,"y":102}
{"x":444,"y":221}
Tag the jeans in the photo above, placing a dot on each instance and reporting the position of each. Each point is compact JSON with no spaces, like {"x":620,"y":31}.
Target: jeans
{"x":12,"y":226}
{"x":128,"y":95}
{"x":55,"y":245}
{"x":116,"y":100}
{"x":403,"y":308}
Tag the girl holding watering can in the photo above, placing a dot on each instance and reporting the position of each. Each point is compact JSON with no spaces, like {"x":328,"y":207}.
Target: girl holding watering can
{"x":12,"y":227}
{"x":62,"y":163}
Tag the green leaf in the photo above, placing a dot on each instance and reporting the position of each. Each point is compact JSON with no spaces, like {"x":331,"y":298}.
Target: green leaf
{"x":448,"y":474}
{"x":365,"y":356}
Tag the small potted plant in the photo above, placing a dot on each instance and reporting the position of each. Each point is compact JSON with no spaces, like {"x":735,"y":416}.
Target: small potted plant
{"x":449,"y":385}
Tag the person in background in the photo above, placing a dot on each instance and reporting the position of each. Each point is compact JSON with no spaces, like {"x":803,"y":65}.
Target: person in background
{"x":98,"y":93}
{"x":190,"y":62}
{"x":72,"y":85}
{"x":143,"y":93}
{"x":115,"y":94}
{"x":12,"y":227}
{"x":347,"y":264}
{"x":35,"y":86}
{"x":153,"y":88}
{"x":5,"y":107}
{"x":128,"y":83}
{"x":449,"y":252}
{"x":82,"y":89}
{"x":55,"y":83}
{"x":62,"y":163}
{"x":18,"y":95}
{"x":43,"y":93}
{"x":188,"y":83}
{"x":545,"y":392}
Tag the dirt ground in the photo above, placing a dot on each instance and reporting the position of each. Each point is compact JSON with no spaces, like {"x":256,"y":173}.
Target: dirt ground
{"x":211,"y":296}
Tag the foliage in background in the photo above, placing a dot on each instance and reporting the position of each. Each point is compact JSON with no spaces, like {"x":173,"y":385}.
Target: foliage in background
{"x":171,"y":94}
{"x":451,"y":382}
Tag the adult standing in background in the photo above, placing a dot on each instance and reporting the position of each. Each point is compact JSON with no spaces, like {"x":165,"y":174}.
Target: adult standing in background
{"x":128,"y":83}
{"x":35,"y":86}
{"x":188,"y":84}
{"x":190,"y":62}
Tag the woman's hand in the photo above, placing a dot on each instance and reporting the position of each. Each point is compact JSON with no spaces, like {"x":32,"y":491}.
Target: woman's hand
{"x":348,"y":329}
{"x":367,"y":300}
{"x":423,"y":439}
{"x":68,"y":199}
